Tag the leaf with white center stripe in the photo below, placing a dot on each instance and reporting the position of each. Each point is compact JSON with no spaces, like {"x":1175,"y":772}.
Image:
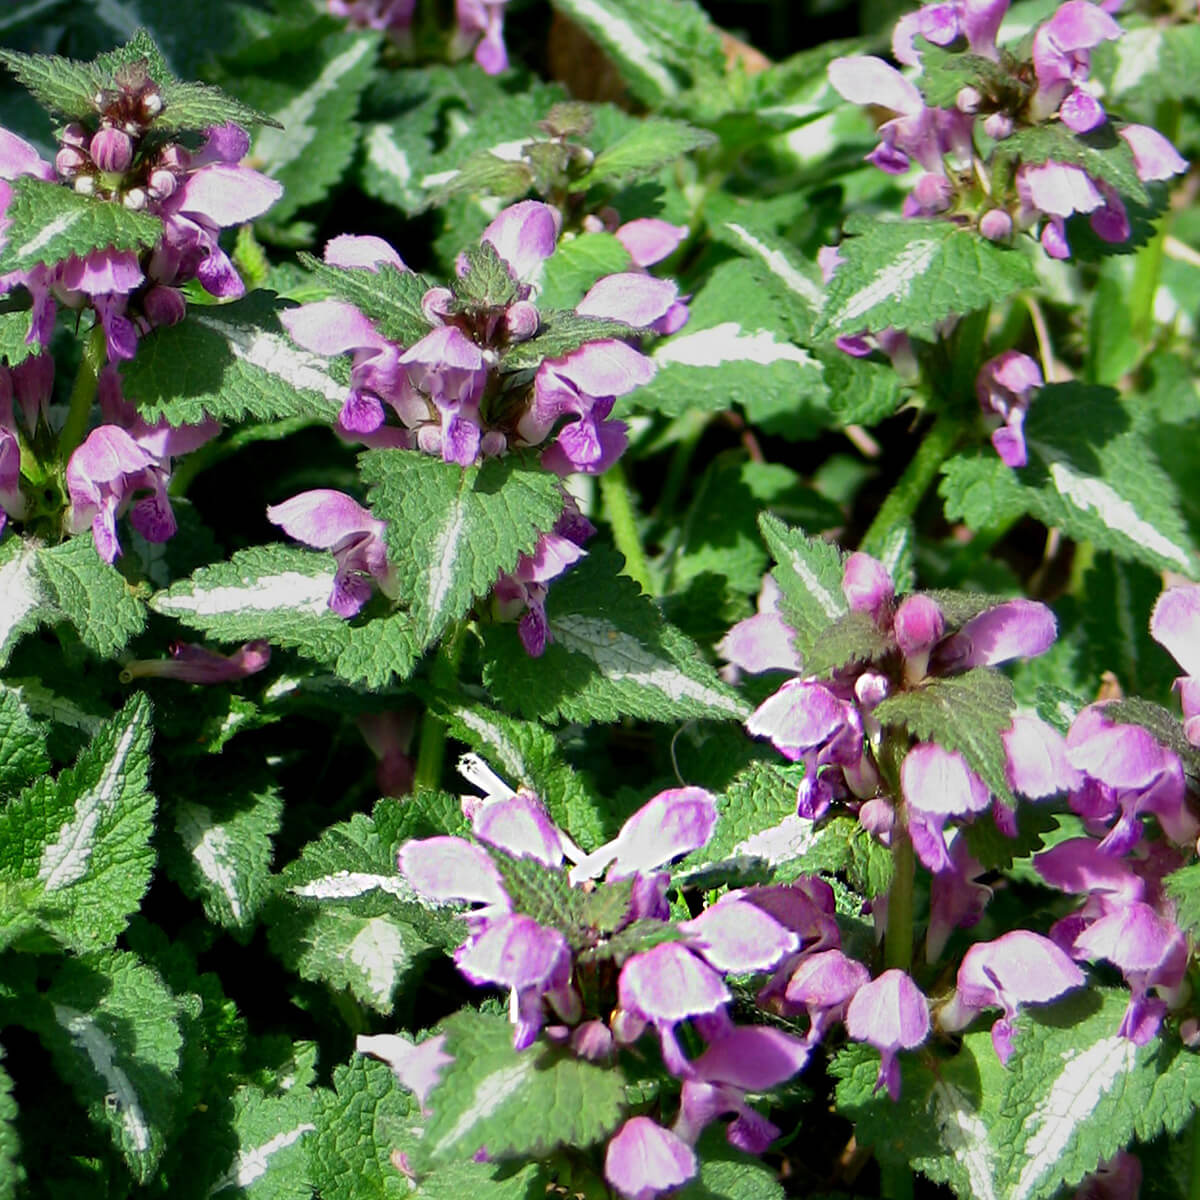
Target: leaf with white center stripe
{"x":343,"y":915}
{"x":660,"y":51}
{"x":281,"y":593}
{"x":809,"y":573}
{"x":50,"y":223}
{"x":112,"y":1028}
{"x":453,"y":530}
{"x":77,"y":848}
{"x":221,"y":849}
{"x":232,"y":362}
{"x":796,"y":281}
{"x":1072,"y":1094}
{"x":610,"y":656}
{"x":736,"y":348}
{"x":910,"y":275}
{"x":1091,"y":473}
{"x":22,"y":743}
{"x":515,"y":1104}
{"x":314,"y":97}
{"x":524,"y":754}
{"x":24,"y":602}
{"x":271,"y":1130}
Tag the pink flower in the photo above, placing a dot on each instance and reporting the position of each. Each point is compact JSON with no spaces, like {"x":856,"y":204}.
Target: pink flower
{"x":891,"y":1014}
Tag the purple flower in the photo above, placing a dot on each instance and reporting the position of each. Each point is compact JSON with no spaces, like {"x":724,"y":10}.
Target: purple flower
{"x":1018,"y":968}
{"x":737,"y":936}
{"x":481,"y":24}
{"x":525,"y":235}
{"x":644,"y":1159}
{"x":944,"y":22}
{"x":867,"y":586}
{"x":1153,"y":156}
{"x":103,"y":475}
{"x":449,"y":868}
{"x":637,"y":299}
{"x":938,"y":785}
{"x":1061,"y":62}
{"x":650,"y":239}
{"x":1014,"y":629}
{"x":762,"y":642}
{"x":666,"y":985}
{"x":198,"y":664}
{"x":891,"y":1014}
{"x":1175,"y":625}
{"x":331,"y":520}
{"x":446,"y":370}
{"x":521,"y":826}
{"x":823,"y":986}
{"x":1005,"y":386}
{"x":524,"y":589}
{"x":1038,"y":766}
{"x":1056,"y":190}
{"x":583,"y":385}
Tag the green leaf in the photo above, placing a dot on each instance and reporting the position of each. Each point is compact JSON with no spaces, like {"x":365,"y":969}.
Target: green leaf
{"x":14,"y":326}
{"x":966,"y":713}
{"x":660,"y":51}
{"x":112,"y":1028}
{"x":313,"y":100}
{"x":271,"y":1127}
{"x":651,"y":143}
{"x":1163,"y":724}
{"x":281,"y":593}
{"x":50,"y":223}
{"x":809,"y":574}
{"x":517,"y":1104}
{"x":1091,"y":473}
{"x":944,"y":73}
{"x":526,"y":755}
{"x":78,"y":847}
{"x":92,"y":595}
{"x":22,"y":744}
{"x":795,"y":280}
{"x":200,"y":106}
{"x":232,"y":362}
{"x":727,"y":1174}
{"x":23,"y":601}
{"x":1183,"y":887}
{"x":488,"y":281}
{"x":360,"y":1125}
{"x":736,"y":349}
{"x":12,"y":1174}
{"x":344,"y":917}
{"x":221,"y":851}
{"x":389,"y":296}
{"x":572,"y":269}
{"x":1104,"y":155}
{"x":60,"y":85}
{"x":453,"y":530}
{"x":911,"y":275}
{"x":559,"y":334}
{"x":1156,"y":62}
{"x":610,"y":656}
{"x":853,"y":638}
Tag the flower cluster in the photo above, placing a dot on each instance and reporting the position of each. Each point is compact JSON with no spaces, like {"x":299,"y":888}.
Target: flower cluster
{"x":479,"y":26}
{"x":976,"y":170}
{"x":450,"y":394}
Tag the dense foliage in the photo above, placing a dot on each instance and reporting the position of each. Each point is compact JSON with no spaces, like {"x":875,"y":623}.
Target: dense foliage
{"x":584,"y":610}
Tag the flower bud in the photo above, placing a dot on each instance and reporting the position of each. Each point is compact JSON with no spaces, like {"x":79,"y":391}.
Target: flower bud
{"x":74,"y":135}
{"x":174,"y":157}
{"x":493,"y":444}
{"x":162,"y":183}
{"x":593,"y":1040}
{"x":866,"y":585}
{"x":998,"y":126}
{"x":918,"y":625}
{"x":967,"y":100}
{"x":150,"y":103}
{"x":435,"y":304}
{"x":135,"y":199}
{"x":996,"y":225}
{"x":69,"y":161}
{"x":85,"y":185}
{"x":521,"y":321}
{"x":933,"y":193}
{"x":112,"y":151}
{"x":164,"y":306}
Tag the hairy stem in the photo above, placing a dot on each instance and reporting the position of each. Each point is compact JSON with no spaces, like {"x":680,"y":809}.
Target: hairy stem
{"x":618,"y":507}
{"x":83,"y":394}
{"x":444,"y":677}
{"x":896,"y":1181}
{"x":911,"y":487}
{"x":1147,"y":266}
{"x":898,"y":941}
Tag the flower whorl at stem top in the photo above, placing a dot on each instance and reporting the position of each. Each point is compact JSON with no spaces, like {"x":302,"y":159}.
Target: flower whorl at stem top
{"x":985,"y":182}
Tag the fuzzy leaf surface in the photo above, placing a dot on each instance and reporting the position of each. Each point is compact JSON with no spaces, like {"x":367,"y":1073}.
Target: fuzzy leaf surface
{"x":24,"y":603}
{"x":389,"y":296}
{"x":910,"y":275}
{"x":809,"y":573}
{"x":232,"y":362}
{"x":610,"y":655}
{"x":452,"y":530}
{"x":112,"y":1028}
{"x":78,"y":847}
{"x":965,"y":713}
{"x":650,"y":144}
{"x":282,"y":593}
{"x":92,"y":595}
{"x":50,"y":223}
{"x":517,"y":1104}
{"x":22,"y":744}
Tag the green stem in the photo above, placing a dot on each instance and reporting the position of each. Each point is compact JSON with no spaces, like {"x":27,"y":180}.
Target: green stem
{"x":618,"y":507}
{"x":432,"y":744}
{"x":896,"y":1181}
{"x":83,"y":394}
{"x":898,"y":941}
{"x":911,"y":487}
